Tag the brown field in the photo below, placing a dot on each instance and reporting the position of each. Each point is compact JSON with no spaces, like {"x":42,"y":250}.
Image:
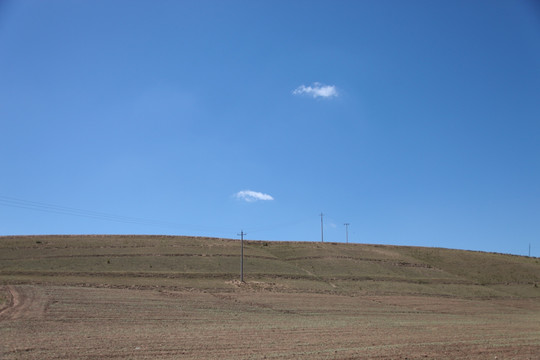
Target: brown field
{"x":97,"y":297}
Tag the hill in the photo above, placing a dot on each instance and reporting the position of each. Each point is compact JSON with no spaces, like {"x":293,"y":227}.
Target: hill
{"x":180,"y":262}
{"x":173,"y":297}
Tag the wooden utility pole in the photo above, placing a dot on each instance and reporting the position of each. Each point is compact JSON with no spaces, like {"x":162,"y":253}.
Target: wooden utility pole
{"x":347,"y":232}
{"x":242,"y":233}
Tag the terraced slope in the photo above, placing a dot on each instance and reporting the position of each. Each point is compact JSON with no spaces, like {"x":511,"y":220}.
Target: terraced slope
{"x":210,"y":263}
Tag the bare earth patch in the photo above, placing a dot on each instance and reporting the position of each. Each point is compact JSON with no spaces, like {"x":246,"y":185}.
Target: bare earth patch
{"x":174,"y":297}
{"x":258,"y":322}
{"x":23,"y":302}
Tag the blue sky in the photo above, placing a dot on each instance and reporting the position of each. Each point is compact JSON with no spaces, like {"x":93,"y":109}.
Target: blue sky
{"x":417,"y":122}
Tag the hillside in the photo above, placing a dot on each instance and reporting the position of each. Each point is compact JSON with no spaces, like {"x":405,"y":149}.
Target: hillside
{"x":148,"y":297}
{"x":178,"y":262}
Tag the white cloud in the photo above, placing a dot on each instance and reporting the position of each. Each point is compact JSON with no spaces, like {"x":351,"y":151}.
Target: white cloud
{"x":316,"y":90}
{"x":251,"y":196}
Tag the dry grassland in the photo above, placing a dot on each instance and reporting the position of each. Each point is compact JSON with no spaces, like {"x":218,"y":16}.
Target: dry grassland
{"x":178,"y":298}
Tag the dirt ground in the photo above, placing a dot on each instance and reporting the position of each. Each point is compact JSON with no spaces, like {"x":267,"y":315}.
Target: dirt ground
{"x":61,"y":322}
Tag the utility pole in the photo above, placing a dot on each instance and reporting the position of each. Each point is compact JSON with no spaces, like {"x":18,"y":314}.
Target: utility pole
{"x":529,"y":249}
{"x":322,"y":236}
{"x":347,"y":232}
{"x":242,"y":233}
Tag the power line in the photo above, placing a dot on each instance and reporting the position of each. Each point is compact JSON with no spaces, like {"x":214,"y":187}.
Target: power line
{"x":64,"y":210}
{"x":275,"y":226}
{"x":103,"y":216}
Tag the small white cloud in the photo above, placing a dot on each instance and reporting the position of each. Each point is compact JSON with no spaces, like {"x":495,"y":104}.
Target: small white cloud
{"x":251,"y":196}
{"x":316,"y":90}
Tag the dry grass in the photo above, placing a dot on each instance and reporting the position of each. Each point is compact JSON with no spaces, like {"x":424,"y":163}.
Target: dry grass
{"x":137,"y":297}
{"x":197,"y":262}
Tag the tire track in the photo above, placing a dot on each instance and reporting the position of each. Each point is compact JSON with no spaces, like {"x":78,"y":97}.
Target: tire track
{"x":24,"y":302}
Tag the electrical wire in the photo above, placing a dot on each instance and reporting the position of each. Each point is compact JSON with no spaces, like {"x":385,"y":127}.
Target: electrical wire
{"x":72,"y":211}
{"x":64,"y":210}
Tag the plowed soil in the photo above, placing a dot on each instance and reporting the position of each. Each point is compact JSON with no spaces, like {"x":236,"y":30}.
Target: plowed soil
{"x":62,"y":322}
{"x":174,"y":297}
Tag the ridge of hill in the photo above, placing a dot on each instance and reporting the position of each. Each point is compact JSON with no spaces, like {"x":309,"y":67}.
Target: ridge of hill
{"x":210,"y":264}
